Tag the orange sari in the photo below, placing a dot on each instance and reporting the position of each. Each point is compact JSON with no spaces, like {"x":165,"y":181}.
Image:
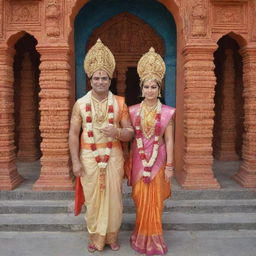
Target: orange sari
{"x":149,"y":198}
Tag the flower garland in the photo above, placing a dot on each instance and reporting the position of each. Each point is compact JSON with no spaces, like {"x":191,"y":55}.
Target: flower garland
{"x":102,"y":162}
{"x":138,"y":136}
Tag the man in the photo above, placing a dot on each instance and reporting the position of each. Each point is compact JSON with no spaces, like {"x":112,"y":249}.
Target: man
{"x":99,"y":160}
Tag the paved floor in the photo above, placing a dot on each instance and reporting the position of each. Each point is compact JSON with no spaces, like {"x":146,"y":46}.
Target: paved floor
{"x":180,"y":243}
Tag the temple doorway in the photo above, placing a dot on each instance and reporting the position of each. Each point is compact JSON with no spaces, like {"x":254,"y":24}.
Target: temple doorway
{"x":129,"y":29}
{"x":26,"y":105}
{"x":133,"y":38}
{"x":229,"y":109}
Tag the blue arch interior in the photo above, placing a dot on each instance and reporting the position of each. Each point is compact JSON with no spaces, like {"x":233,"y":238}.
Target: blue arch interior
{"x":96,"y":12}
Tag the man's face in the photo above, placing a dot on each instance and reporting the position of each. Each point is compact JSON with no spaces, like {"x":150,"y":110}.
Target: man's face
{"x":100,"y":82}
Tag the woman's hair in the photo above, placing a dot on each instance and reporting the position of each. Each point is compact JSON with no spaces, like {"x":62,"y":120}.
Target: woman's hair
{"x":157,"y":82}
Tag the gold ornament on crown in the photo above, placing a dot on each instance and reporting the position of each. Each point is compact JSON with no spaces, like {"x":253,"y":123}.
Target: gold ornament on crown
{"x":99,"y":57}
{"x":151,"y":66}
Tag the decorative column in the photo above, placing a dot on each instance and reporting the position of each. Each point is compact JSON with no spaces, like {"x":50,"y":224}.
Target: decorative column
{"x":121,"y":77}
{"x":54,"y":125}
{"x":226,"y":146}
{"x":9,"y":177}
{"x":27,"y":147}
{"x":247,"y":173}
{"x":198,"y":118}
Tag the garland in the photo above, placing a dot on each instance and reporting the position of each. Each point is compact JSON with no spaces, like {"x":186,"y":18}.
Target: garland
{"x":102,"y":162}
{"x":147,"y":164}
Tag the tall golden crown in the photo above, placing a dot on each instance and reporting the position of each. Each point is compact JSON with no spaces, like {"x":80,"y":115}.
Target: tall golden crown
{"x":151,"y":66}
{"x":99,"y":57}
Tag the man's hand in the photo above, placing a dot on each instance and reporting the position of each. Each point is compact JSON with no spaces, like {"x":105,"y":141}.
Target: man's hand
{"x":78,"y":169}
{"x":109,"y":131}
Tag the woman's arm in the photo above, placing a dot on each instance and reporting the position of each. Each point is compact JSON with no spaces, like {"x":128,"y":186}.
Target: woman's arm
{"x":169,"y":137}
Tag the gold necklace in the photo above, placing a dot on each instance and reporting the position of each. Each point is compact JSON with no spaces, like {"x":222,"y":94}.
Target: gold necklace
{"x":148,"y":120}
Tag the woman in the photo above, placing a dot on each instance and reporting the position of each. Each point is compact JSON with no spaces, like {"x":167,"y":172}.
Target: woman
{"x":152,"y":157}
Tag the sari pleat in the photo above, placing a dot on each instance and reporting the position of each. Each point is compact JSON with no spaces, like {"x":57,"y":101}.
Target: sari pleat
{"x":147,"y":237}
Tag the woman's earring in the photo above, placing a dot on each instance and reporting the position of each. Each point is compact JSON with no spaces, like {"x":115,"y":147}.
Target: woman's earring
{"x":159,"y":94}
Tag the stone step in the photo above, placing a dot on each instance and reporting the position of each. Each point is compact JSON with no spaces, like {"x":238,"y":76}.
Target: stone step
{"x":186,"y":206}
{"x":171,"y":221}
{"x":178,"y":194}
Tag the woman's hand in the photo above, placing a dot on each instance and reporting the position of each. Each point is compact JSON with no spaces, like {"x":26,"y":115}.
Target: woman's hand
{"x":78,"y":169}
{"x":168,"y":172}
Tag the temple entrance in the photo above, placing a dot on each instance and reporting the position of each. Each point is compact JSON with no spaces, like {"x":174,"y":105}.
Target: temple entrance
{"x":129,"y":30}
{"x":229,"y":108}
{"x":133,"y":38}
{"x":26,"y":103}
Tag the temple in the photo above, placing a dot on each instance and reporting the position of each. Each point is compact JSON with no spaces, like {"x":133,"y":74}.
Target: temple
{"x":209,"y":47}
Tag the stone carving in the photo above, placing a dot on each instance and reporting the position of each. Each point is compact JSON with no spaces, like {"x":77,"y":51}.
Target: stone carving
{"x":228,"y":14}
{"x":1,"y":18}
{"x":53,"y":12}
{"x":199,"y":19}
{"x":54,"y":122}
{"x":198,"y":115}
{"x":9,"y":176}
{"x":253,"y":23}
{"x":24,"y":12}
{"x":135,"y":36}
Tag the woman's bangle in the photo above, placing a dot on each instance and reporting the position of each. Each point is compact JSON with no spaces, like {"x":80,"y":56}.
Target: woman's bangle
{"x":170,"y":164}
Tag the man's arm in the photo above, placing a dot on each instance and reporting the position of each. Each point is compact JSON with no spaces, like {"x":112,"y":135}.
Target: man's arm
{"x":73,"y":141}
{"x":125,"y":133}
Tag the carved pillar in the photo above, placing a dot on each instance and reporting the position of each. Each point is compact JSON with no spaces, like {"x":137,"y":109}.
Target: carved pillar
{"x":121,"y":77}
{"x":247,"y":173}
{"x":54,"y":125}
{"x":9,"y":177}
{"x":198,"y":118}
{"x":27,"y":149}
{"x":227,"y":134}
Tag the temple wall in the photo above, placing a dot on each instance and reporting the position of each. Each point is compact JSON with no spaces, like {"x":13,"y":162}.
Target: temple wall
{"x":200,"y":24}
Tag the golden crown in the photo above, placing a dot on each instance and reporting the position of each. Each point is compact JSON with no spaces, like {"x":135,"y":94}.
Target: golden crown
{"x":151,"y":66}
{"x":99,"y":57}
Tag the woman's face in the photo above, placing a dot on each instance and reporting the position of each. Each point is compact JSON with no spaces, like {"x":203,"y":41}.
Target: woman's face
{"x":150,"y":89}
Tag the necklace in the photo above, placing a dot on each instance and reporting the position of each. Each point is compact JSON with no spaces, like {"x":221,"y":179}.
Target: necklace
{"x":147,"y":164}
{"x":148,"y":120}
{"x":102,"y":161}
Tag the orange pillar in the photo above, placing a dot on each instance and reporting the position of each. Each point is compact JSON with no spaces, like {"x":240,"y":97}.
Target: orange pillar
{"x":198,"y":118}
{"x":9,"y":177}
{"x":247,"y":173}
{"x":54,"y":125}
{"x":226,"y":146}
{"x":27,"y":149}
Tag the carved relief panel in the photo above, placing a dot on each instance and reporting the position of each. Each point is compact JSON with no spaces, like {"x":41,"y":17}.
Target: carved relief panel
{"x":230,"y":15}
{"x":1,"y":18}
{"x":131,"y":35}
{"x":195,"y":18}
{"x":253,"y":32}
{"x":53,"y":22}
{"x":199,"y":19}
{"x":23,"y":14}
